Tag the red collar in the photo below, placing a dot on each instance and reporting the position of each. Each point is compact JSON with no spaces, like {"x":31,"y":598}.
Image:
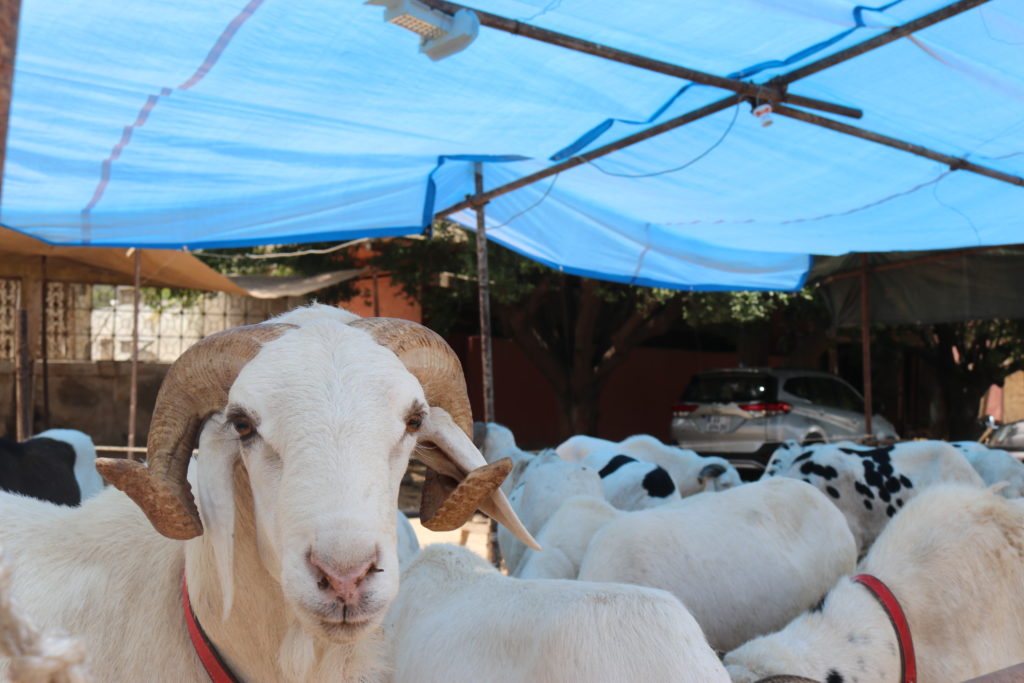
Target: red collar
{"x":899,"y":623}
{"x":215,"y":667}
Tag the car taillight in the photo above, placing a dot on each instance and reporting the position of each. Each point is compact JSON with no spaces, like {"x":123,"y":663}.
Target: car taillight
{"x":766,"y":409}
{"x":682,"y":409}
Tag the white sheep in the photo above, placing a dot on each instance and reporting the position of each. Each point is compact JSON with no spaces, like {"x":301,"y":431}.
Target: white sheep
{"x":871,"y":483}
{"x":954,"y":559}
{"x":631,"y":484}
{"x":576,"y":447}
{"x":544,"y":482}
{"x":304,"y":427}
{"x":995,"y":466}
{"x":691,"y":473}
{"x":744,"y":561}
{"x":459,"y":619}
{"x":565,"y":537}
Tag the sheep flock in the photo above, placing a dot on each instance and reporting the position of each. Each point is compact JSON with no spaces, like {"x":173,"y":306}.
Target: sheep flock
{"x":261,"y":541}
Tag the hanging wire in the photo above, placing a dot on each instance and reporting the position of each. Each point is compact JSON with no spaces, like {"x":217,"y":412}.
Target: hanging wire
{"x":984,"y":23}
{"x":550,"y":6}
{"x":697,"y":158}
{"x":533,"y":206}
{"x":935,"y":196}
{"x":304,"y":252}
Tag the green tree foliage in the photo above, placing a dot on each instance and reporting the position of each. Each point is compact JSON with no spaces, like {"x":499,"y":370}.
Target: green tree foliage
{"x":967,"y":358}
{"x":576,"y":331}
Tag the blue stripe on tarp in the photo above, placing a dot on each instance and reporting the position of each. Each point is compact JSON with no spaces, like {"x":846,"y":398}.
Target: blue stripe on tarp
{"x":431,"y":194}
{"x":597,"y":131}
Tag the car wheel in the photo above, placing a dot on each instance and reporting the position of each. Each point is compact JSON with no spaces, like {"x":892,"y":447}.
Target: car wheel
{"x":812,"y":439}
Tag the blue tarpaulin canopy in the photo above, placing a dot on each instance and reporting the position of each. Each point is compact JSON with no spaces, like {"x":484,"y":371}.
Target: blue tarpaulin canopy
{"x":199,"y":125}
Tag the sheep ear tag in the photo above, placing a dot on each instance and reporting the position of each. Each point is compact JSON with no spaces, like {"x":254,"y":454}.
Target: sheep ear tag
{"x":447,"y":504}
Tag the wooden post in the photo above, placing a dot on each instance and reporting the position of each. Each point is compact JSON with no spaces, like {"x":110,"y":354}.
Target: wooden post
{"x":22,"y":378}
{"x":376,"y":296}
{"x":486,"y":352}
{"x":865,"y":343}
{"x":133,"y":400}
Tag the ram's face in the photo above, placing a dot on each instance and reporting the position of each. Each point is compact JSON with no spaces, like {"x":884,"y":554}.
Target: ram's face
{"x":324,"y":427}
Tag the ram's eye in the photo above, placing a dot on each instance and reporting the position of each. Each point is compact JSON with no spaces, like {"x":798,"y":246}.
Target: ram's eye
{"x":243,"y":427}
{"x":414,"y":423}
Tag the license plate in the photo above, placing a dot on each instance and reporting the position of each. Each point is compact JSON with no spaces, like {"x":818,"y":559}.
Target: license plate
{"x":716,"y":423}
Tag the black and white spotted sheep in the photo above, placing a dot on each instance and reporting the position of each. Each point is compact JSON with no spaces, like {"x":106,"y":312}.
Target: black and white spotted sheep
{"x":870,"y":484}
{"x":631,"y":484}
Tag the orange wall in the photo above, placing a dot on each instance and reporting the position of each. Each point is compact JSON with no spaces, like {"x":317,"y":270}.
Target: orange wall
{"x":637,"y":398}
{"x":391,"y":301}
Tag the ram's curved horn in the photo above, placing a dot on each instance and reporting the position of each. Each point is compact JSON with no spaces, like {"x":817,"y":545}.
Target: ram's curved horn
{"x":196,"y":386}
{"x":460,"y":481}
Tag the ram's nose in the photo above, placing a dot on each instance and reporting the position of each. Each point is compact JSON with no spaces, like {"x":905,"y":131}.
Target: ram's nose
{"x":346,"y":584}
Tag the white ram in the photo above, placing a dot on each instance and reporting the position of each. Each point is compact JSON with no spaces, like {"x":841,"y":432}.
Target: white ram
{"x":459,"y":619}
{"x":954,"y":559}
{"x":304,"y":427}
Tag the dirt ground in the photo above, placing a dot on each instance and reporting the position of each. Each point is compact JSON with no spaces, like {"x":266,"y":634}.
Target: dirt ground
{"x":472,"y":535}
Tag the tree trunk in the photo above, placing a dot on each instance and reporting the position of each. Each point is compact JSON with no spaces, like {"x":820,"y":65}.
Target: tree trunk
{"x":598,"y":336}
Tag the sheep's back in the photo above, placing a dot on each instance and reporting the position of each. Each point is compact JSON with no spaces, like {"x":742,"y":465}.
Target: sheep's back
{"x":744,"y":561}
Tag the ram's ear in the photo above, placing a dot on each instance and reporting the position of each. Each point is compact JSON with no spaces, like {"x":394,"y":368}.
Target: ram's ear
{"x":216,"y":488}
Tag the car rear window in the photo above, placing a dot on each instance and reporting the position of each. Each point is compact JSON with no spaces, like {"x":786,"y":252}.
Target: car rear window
{"x":729,"y":388}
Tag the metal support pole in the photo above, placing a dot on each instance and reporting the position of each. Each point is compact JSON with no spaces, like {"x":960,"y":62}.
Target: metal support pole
{"x":865,"y":343}
{"x":44,"y":350}
{"x":483,"y":197}
{"x":954,"y":163}
{"x":22,"y":379}
{"x":776,"y":85}
{"x":483,"y":287}
{"x":133,"y":400}
{"x":10,"y":10}
{"x":543,"y":35}
{"x":486,"y":351}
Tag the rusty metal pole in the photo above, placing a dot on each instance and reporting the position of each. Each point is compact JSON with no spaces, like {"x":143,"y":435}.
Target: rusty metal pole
{"x":44,"y":352}
{"x":865,"y":343}
{"x":486,"y":352}
{"x":483,"y":288}
{"x":22,"y":378}
{"x":9,"y":12}
{"x":133,"y":400}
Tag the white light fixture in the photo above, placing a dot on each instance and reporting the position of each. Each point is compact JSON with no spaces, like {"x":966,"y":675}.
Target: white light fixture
{"x":440,"y":34}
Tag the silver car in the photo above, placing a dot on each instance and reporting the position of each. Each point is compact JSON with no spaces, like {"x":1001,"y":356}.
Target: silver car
{"x":746,"y":413}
